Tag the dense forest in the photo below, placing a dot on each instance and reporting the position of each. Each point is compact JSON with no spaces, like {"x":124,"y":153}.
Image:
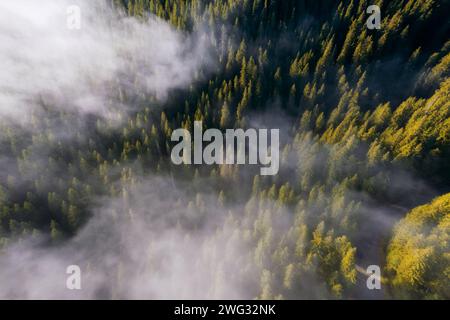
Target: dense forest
{"x":364,"y":119}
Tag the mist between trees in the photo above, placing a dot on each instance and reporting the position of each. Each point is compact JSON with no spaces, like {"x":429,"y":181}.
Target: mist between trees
{"x":86,"y":174}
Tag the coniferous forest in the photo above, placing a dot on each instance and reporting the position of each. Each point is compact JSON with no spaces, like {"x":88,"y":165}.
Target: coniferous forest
{"x":86,"y":177}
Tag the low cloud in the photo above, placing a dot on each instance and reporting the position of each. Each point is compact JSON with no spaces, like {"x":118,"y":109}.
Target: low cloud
{"x":130,"y":249}
{"x":95,"y":69}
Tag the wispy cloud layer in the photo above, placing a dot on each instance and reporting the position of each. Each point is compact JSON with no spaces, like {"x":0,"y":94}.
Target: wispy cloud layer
{"x":143,"y":246}
{"x":90,"y":70}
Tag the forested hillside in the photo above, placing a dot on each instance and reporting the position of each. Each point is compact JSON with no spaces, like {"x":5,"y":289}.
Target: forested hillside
{"x":364,"y":119}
